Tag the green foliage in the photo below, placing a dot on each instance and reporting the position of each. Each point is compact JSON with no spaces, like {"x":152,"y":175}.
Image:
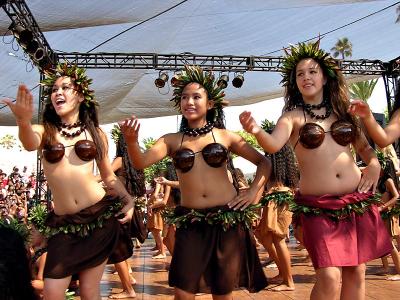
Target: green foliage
{"x":115,"y":133}
{"x":69,"y":295}
{"x":249,"y":138}
{"x":21,"y":228}
{"x":337,"y":214}
{"x":8,"y":141}
{"x":343,"y":47}
{"x":224,"y":218}
{"x":386,"y":114}
{"x":279,"y":197}
{"x":363,"y":89}
{"x":155,"y":169}
{"x":268,"y":126}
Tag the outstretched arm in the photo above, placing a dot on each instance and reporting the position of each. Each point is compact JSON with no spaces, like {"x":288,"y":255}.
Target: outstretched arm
{"x":30,"y":135}
{"x":140,"y":160}
{"x":382,"y":137}
{"x":163,"y":180}
{"x":273,"y":142}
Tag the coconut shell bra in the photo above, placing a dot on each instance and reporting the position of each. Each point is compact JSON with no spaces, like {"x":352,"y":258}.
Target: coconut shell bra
{"x":214,"y":154}
{"x":311,"y":135}
{"x":84,"y":149}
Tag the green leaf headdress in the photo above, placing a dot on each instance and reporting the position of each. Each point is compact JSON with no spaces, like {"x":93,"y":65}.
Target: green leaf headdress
{"x":295,"y":54}
{"x":205,"y":78}
{"x":78,"y":77}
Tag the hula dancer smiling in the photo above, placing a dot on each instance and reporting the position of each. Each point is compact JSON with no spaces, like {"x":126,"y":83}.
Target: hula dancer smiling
{"x":82,"y":231}
{"x":342,"y":228}
{"x":213,"y":245}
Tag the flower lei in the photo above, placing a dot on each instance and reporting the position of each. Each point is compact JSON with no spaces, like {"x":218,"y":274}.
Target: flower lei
{"x":302,"y":51}
{"x":279,"y":197}
{"x":206,"y":79}
{"x":337,"y":214}
{"x":225,"y":218}
{"x":38,"y":215}
{"x":78,"y":77}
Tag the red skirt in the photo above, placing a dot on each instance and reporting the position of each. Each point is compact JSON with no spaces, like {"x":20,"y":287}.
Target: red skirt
{"x":351,"y":241}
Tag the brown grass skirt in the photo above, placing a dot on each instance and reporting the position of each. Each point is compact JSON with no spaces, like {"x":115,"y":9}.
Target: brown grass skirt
{"x":70,"y":254}
{"x":208,"y":259}
{"x":276,"y":219}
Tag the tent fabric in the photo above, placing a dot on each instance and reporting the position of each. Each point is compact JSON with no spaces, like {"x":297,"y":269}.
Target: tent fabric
{"x":208,"y":27}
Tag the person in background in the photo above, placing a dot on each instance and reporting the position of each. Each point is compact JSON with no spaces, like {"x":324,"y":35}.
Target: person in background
{"x":155,"y":207}
{"x":276,"y":217}
{"x":15,"y":277}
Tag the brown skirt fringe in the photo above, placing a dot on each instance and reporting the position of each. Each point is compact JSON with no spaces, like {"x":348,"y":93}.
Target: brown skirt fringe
{"x":70,"y":254}
{"x":208,"y":259}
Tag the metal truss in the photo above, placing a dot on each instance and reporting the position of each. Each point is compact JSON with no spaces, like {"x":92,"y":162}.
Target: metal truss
{"x":221,"y":63}
{"x":19,"y":13}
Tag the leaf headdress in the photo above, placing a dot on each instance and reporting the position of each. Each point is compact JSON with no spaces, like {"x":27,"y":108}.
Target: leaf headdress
{"x":78,"y":77}
{"x":205,"y":78}
{"x":295,"y":54}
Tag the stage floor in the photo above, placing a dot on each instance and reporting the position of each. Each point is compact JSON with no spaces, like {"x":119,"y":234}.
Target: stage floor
{"x":152,"y":278}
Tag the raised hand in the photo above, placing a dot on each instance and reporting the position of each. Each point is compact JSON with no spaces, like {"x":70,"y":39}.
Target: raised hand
{"x":248,"y":123}
{"x":130,"y":129}
{"x":160,"y":180}
{"x":359,"y":108}
{"x":23,"y":107}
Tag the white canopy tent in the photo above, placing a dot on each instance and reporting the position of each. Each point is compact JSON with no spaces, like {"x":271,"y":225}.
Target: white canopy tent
{"x":209,"y":27}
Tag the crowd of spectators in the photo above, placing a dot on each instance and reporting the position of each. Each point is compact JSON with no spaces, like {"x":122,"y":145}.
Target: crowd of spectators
{"x":17,"y":193}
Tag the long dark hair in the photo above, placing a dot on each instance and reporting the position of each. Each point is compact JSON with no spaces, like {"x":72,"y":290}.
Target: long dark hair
{"x":88,"y":115}
{"x":284,"y":167}
{"x":15,"y":275}
{"x":134,"y":178}
{"x":170,"y":174}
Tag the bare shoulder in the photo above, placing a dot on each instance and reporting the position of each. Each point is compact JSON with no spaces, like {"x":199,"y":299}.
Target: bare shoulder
{"x":222,"y":134}
{"x":293,"y":114}
{"x":171,"y":141}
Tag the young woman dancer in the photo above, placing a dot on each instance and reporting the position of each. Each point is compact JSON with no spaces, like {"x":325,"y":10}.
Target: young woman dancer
{"x":213,"y":245}
{"x":83,"y":230}
{"x":341,"y":225}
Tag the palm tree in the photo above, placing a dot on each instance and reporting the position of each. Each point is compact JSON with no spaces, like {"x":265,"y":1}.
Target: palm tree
{"x":398,"y":14}
{"x":343,"y":47}
{"x":363,"y":89}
